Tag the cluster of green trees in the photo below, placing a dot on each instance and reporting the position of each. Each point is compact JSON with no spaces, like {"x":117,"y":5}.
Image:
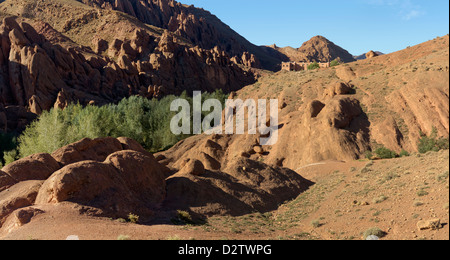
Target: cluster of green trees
{"x":144,"y":120}
{"x":316,"y":65}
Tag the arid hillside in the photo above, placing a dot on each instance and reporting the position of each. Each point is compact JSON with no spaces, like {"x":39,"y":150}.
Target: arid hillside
{"x":345,"y":112}
{"x":362,"y":147}
{"x":398,"y":199}
{"x":318,"y":49}
{"x":58,"y":52}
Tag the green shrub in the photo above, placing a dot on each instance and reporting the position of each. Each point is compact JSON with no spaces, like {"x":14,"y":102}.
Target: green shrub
{"x":316,"y":223}
{"x":432,"y":142}
{"x":368,"y":154}
{"x":404,"y":153}
{"x":335,"y":63}
{"x":8,"y":144}
{"x":144,"y":120}
{"x":133,"y":218}
{"x":313,"y":66}
{"x":385,"y":153}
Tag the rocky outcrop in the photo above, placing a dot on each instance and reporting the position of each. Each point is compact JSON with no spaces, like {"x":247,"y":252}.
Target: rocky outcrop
{"x":115,"y":177}
{"x":126,"y":182}
{"x":241,"y":187}
{"x":87,"y":150}
{"x":37,"y":73}
{"x":18,"y":196}
{"x":332,"y":128}
{"x":321,"y":49}
{"x":371,"y":54}
{"x":33,"y":167}
{"x":197,"y":26}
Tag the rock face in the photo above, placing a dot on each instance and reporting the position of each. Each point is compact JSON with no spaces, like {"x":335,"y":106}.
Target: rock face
{"x":18,"y":196}
{"x":196,"y":25}
{"x":42,"y":69}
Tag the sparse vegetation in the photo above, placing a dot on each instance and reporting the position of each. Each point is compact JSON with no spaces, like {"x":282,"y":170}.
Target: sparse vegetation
{"x":432,"y":142}
{"x":8,"y":144}
{"x":313,"y":66}
{"x":335,"y":63}
{"x":123,"y":237}
{"x":418,"y":203}
{"x":422,"y":193}
{"x":316,"y":223}
{"x":133,"y":218}
{"x":385,"y":153}
{"x":379,"y":199}
{"x":404,"y":153}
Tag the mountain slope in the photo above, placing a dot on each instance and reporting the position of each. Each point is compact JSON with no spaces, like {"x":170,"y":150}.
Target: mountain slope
{"x":318,"y":49}
{"x":342,"y":112}
{"x":59,"y":52}
{"x":198,"y":26}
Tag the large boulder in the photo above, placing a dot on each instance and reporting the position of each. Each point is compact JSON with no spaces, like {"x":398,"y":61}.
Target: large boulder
{"x":5,"y":181}
{"x":34,"y":167}
{"x":141,"y":173}
{"x":87,"y":149}
{"x":18,"y":196}
{"x":127,"y":182}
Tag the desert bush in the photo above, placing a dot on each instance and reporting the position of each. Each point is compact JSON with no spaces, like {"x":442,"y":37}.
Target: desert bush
{"x":8,"y":144}
{"x":432,"y":142}
{"x":368,"y":154}
{"x":385,"y":153}
{"x":335,"y":63}
{"x":404,"y":153}
{"x":313,"y":66}
{"x":133,"y":218}
{"x":316,"y":223}
{"x":145,"y":120}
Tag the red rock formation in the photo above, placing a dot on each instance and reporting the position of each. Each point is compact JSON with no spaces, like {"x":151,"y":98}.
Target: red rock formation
{"x":36,"y":73}
{"x":198,"y":26}
{"x":103,"y":179}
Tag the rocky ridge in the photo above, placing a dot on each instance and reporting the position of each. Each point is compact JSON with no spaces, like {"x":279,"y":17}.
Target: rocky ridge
{"x":40,"y":69}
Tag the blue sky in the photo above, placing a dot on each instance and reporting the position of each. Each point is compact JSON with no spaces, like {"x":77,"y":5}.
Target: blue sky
{"x":356,"y":25}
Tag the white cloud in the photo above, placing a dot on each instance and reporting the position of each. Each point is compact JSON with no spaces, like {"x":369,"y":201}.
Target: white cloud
{"x":412,"y":14}
{"x":406,"y":9}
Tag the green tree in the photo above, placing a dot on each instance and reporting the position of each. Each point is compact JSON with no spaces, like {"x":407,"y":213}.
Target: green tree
{"x":335,"y":62}
{"x":313,"y":66}
{"x":145,"y":120}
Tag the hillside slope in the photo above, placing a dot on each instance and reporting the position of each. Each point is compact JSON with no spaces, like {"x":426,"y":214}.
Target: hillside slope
{"x":198,"y":26}
{"x":340,"y":113}
{"x":61,"y":52}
